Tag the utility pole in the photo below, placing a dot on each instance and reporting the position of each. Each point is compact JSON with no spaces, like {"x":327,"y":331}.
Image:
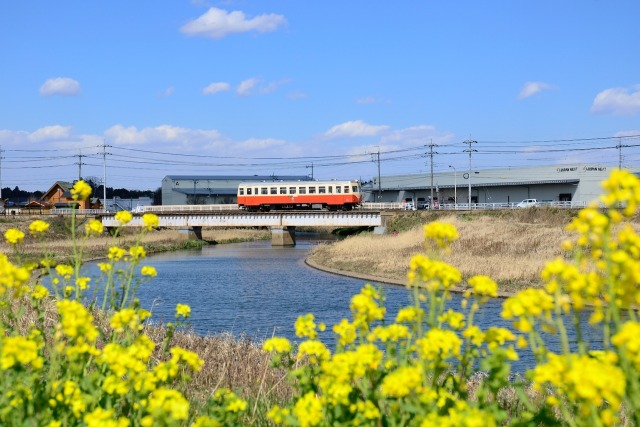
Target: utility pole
{"x":80,"y":156}
{"x":470,"y":150}
{"x":104,"y":174}
{"x":619,"y":147}
{"x":311,"y":170}
{"x":431,"y":153}
{"x":379,"y":185}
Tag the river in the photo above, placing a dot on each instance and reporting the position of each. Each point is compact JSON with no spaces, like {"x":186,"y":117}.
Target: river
{"x":255,"y":290}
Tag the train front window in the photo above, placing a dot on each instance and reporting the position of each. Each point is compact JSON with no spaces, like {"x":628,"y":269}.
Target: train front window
{"x":241,"y":191}
{"x":346,"y":189}
{"x":283,"y":190}
{"x":292,"y":190}
{"x":322,"y":190}
{"x":264,"y":190}
{"x":354,"y":189}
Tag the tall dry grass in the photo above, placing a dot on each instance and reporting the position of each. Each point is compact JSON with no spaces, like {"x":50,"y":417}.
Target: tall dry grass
{"x":512,"y":249}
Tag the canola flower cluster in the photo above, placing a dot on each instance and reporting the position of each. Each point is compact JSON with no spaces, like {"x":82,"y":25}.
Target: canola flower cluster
{"x":415,"y":370}
{"x":78,"y":374}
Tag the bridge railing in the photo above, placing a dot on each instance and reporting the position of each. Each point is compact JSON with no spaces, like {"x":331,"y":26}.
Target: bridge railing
{"x":186,"y":208}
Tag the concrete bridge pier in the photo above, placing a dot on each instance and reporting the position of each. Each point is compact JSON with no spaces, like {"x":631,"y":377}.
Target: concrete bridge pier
{"x":384,"y":219}
{"x":190,"y":233}
{"x":283,"y":236}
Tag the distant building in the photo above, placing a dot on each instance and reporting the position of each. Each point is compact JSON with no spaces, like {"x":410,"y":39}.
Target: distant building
{"x":59,"y":197}
{"x":212,"y":189}
{"x":562,"y":183}
{"x":117,"y":204}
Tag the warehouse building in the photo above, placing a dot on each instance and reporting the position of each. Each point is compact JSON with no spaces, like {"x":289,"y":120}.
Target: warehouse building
{"x":211,"y":189}
{"x":565,"y":183}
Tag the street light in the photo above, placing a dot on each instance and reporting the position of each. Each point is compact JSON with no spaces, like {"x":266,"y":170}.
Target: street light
{"x":455,"y":186}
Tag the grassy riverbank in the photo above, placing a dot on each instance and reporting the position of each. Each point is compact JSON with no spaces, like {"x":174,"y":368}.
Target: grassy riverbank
{"x":511,"y":246}
{"x":59,"y":245}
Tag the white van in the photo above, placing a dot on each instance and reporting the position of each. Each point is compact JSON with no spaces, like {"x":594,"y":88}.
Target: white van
{"x":527,"y":203}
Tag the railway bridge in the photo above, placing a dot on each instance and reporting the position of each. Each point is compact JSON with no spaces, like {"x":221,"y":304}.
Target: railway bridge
{"x":282,"y":223}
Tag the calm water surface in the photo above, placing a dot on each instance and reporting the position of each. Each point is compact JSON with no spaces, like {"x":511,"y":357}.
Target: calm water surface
{"x":256,"y":290}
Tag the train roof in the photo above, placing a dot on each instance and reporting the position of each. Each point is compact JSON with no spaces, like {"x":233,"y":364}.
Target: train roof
{"x":300,"y":182}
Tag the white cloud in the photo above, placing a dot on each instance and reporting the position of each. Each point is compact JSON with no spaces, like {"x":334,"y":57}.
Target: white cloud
{"x":64,"y":86}
{"x":531,"y":88}
{"x":216,"y":87}
{"x":168,"y":91}
{"x":619,"y":101}
{"x":245,"y":88}
{"x":218,"y":23}
{"x":48,"y":133}
{"x":182,"y":137}
{"x":356,"y":128}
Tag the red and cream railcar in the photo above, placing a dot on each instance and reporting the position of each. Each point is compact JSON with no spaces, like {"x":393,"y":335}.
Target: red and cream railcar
{"x":332,"y":195}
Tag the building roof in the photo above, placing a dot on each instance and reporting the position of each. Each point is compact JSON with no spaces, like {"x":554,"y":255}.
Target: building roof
{"x":206,"y":191}
{"x":239,"y":177}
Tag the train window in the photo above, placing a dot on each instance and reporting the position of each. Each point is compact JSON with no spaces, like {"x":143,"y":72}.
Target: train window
{"x":330,"y":189}
{"x":338,"y":189}
{"x":292,"y":190}
{"x":303,"y":190}
{"x":264,"y":190}
{"x":322,"y":190}
{"x":354,"y":189}
{"x":346,"y":188}
{"x":273,"y":190}
{"x":249,"y":191}
{"x":312,"y":190}
{"x":283,"y":190}
{"x":241,"y":191}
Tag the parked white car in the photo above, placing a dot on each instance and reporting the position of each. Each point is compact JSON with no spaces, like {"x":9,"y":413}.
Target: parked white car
{"x":527,"y":203}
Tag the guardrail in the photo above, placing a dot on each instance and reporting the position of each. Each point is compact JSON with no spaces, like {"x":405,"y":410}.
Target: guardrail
{"x":69,"y":211}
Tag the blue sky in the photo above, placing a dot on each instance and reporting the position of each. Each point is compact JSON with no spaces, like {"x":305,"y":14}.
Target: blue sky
{"x":273,"y":87}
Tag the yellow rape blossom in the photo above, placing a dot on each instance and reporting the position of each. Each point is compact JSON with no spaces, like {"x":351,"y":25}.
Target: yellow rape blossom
{"x":14,"y":236}
{"x":150,"y":221}
{"x":123,"y":217}
{"x":439,"y":344}
{"x":38,"y":227}
{"x":183,"y":310}
{"x":64,"y":270}
{"x":402,"y":381}
{"x":442,"y":234}
{"x":308,"y":410}
{"x":148,"y":271}
{"x":19,"y":350}
{"x":76,"y":322}
{"x":94,"y":228}
{"x":81,"y":190}
{"x":277,"y":345}
{"x":116,"y":253}
{"x":305,"y":326}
